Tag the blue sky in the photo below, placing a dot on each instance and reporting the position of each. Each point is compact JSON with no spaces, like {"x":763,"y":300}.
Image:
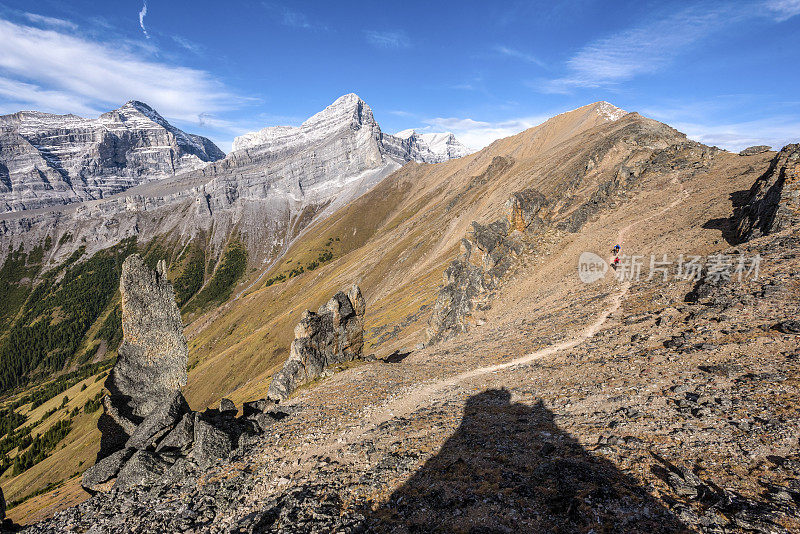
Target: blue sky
{"x":723,"y":72}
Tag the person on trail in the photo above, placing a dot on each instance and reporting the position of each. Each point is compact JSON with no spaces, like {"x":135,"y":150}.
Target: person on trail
{"x":615,"y":263}
{"x":615,"y":250}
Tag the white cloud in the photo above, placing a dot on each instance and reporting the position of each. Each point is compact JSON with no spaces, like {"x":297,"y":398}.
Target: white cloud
{"x":636,"y":51}
{"x":186,"y":44}
{"x":700,"y":120}
{"x":478,"y":134}
{"x":142,"y":14}
{"x":50,"y":21}
{"x":517,"y":54}
{"x":61,"y":73}
{"x":653,"y":45}
{"x":295,"y":19}
{"x":16,"y":96}
{"x":387,"y":39}
{"x":783,"y":9}
{"x":776,"y":132}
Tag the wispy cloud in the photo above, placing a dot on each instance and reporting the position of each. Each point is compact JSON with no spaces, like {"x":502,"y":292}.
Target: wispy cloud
{"x":517,"y":54}
{"x":653,"y":45}
{"x":17,"y":95}
{"x":295,"y":19}
{"x":387,"y":39}
{"x":142,"y":14}
{"x":52,"y":22}
{"x":783,"y":9}
{"x":292,"y":18}
{"x":55,"y":71}
{"x":706,"y":121}
{"x":186,"y":44}
{"x":776,"y":132}
{"x":478,"y":134}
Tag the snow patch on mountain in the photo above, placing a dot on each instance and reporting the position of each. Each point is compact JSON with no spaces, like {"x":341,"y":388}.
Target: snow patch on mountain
{"x":609,"y":111}
{"x":442,"y":146}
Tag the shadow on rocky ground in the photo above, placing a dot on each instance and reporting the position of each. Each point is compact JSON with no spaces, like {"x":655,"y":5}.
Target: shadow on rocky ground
{"x":510,"y":468}
{"x":397,"y":356}
{"x":727,"y":225}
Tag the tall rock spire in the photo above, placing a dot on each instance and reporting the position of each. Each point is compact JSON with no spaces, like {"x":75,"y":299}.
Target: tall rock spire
{"x":151,"y":365}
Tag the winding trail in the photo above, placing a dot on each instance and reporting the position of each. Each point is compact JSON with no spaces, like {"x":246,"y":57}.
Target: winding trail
{"x":432,"y":392}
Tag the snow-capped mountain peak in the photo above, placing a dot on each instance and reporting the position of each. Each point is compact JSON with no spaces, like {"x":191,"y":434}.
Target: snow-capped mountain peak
{"x":442,"y":145}
{"x":609,"y":111}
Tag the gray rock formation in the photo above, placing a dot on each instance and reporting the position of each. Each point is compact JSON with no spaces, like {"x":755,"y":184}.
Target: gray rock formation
{"x":102,"y":475}
{"x":487,"y":253}
{"x":335,"y":334}
{"x":159,"y":423}
{"x":774,"y":200}
{"x":210,"y":442}
{"x":151,"y":363}
{"x":48,"y":160}
{"x":753,"y":150}
{"x":148,"y":431}
{"x":143,"y":467}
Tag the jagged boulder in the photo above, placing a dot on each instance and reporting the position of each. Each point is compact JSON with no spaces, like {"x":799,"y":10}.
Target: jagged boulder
{"x":180,"y":438}
{"x":774,"y":200}
{"x":159,"y":423}
{"x":210,"y":443}
{"x":464,"y":288}
{"x":227,"y":406}
{"x":151,"y":361}
{"x":335,"y":334}
{"x":144,"y":467}
{"x":101,"y":476}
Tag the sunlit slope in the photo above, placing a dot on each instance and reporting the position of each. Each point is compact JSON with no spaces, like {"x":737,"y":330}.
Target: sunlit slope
{"x":396,"y":240}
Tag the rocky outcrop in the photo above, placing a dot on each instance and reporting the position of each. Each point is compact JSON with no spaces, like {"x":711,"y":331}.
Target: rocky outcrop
{"x":151,"y":362}
{"x":753,"y":150}
{"x":47,"y":160}
{"x":149,"y":433}
{"x":774,"y":200}
{"x":333,"y":335}
{"x":487,"y":253}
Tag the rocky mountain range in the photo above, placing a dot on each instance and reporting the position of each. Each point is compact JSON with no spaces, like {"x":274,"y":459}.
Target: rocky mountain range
{"x":441,"y":146}
{"x":468,"y":380}
{"x":275,"y":182}
{"x":48,"y":160}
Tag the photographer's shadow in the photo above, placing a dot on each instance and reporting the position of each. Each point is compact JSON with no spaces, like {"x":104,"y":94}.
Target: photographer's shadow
{"x":510,"y":468}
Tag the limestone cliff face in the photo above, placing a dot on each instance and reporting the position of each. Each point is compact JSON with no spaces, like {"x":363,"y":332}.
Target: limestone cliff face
{"x":774,"y":200}
{"x":151,"y":364}
{"x":48,"y":160}
{"x":335,"y":334}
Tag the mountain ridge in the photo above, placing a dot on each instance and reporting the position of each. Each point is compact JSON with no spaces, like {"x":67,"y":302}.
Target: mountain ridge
{"x":50,"y":159}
